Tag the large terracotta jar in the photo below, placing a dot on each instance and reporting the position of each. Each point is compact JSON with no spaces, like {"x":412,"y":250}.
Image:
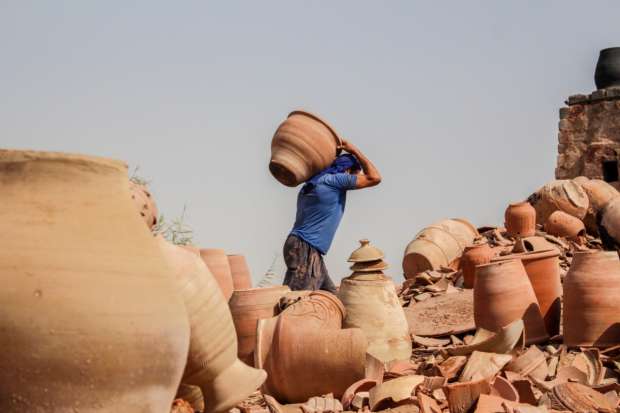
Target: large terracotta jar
{"x":240,"y":272}
{"x":438,"y":245}
{"x":249,"y":306}
{"x":90,"y":318}
{"x":610,"y":220}
{"x":599,"y":194}
{"x":520,"y":220}
{"x":145,"y":203}
{"x":302,"y":146}
{"x":561,"y":224}
{"x":476,"y":254}
{"x":560,"y":195}
{"x":212,"y":363}
{"x":374,"y":307}
{"x":217,"y":262}
{"x":543,"y":270}
{"x":591,"y":291}
{"x":503,"y":294}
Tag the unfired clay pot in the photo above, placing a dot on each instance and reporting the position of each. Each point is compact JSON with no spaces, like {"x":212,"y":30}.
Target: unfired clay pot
{"x":560,"y":224}
{"x":212,"y":363}
{"x":591,"y":291}
{"x":599,"y":194}
{"x":476,"y":254}
{"x":240,"y":272}
{"x":90,"y":319}
{"x":439,"y":244}
{"x":610,"y":220}
{"x":520,"y":219}
{"x":374,"y":307}
{"x":217,"y":262}
{"x":249,"y":306}
{"x":302,"y":146}
{"x":562,"y":195}
{"x":145,"y":203}
{"x":502,"y":294}
{"x":543,"y":270}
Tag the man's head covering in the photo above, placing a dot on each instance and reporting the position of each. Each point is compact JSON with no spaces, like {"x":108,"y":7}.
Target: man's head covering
{"x":341,"y":163}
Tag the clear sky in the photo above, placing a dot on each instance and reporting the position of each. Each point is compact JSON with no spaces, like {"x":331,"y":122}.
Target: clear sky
{"x":456,"y":102}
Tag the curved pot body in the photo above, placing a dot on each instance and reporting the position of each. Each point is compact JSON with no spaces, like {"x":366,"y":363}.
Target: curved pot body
{"x":306,"y":362}
{"x":91,"y":319}
{"x":374,"y":307}
{"x":217,"y":262}
{"x":502,"y":294}
{"x":559,"y":195}
{"x":145,"y":203}
{"x":607,"y":73}
{"x":212,"y":363}
{"x":610,"y":219}
{"x":240,"y":272}
{"x":474,"y":255}
{"x":520,"y":219}
{"x":591,"y":291}
{"x":560,"y":224}
{"x":599,"y":194}
{"x":302,"y":146}
{"x":543,"y":270}
{"x":249,"y":306}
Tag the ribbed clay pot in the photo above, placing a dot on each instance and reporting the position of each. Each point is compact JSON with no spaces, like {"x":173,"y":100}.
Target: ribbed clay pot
{"x":561,"y":224}
{"x":610,"y":220}
{"x":502,"y":294}
{"x":476,"y":254}
{"x":543,"y":270}
{"x":212,"y":363}
{"x":90,"y":316}
{"x":520,"y":220}
{"x":439,"y":244}
{"x":561,"y":195}
{"x":145,"y":203}
{"x":374,"y":307}
{"x":607,"y":73}
{"x":217,"y":262}
{"x":249,"y":306}
{"x":591,"y":291}
{"x":305,"y":361}
{"x":240,"y":272}
{"x":599,"y":194}
{"x":302,"y":146}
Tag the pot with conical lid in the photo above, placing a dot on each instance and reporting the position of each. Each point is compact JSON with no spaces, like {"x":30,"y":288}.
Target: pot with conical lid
{"x":366,"y":253}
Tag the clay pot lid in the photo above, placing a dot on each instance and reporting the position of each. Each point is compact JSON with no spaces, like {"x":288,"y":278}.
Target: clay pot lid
{"x":369,"y":266}
{"x":368,"y":276}
{"x":580,"y":398}
{"x":337,"y":137}
{"x":366,"y":253}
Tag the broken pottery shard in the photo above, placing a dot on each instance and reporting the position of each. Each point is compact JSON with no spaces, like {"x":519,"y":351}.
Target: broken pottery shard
{"x":503,"y":341}
{"x":402,"y":367}
{"x":503,"y":388}
{"x":352,"y":390}
{"x":579,"y":398}
{"x":483,"y":365}
{"x":393,"y":391}
{"x":430,"y":342}
{"x":442,"y":315}
{"x":451,"y":367}
{"x":589,"y":361}
{"x":427,"y":404}
{"x":463,"y":396}
{"x":360,"y":400}
{"x":494,"y":404}
{"x":531,"y":363}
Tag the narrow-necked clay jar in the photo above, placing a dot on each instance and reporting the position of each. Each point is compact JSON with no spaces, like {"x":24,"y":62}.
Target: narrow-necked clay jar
{"x":502,"y":294}
{"x":520,"y":219}
{"x":217,"y":261}
{"x":476,"y":254}
{"x":90,"y":319}
{"x":591,"y":291}
{"x":561,"y":224}
{"x":240,"y":272}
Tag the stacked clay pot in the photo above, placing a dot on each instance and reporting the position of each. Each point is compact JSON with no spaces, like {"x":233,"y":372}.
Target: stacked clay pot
{"x":543,"y":271}
{"x":591,"y":291}
{"x":145,"y":203}
{"x":367,"y":262}
{"x":520,"y":220}
{"x":302,"y":146}
{"x":212,"y":363}
{"x":249,"y":306}
{"x":610,"y":221}
{"x":240,"y":272}
{"x":477,"y":254}
{"x":90,"y":316}
{"x":217,"y":262}
{"x":560,"y":195}
{"x":502,"y":294}
{"x":599,"y":194}
{"x":561,"y":224}
{"x":373,"y":306}
{"x":438,"y":245}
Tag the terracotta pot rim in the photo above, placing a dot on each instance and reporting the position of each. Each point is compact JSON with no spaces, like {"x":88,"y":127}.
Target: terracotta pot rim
{"x":27,"y":155}
{"x":602,"y":252}
{"x":508,"y":261}
{"x":529,"y":256}
{"x":311,"y":115}
{"x":518,"y":203}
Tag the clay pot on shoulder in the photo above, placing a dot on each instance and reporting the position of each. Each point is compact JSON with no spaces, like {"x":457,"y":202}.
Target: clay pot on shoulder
{"x":520,"y":220}
{"x":212,"y":363}
{"x":502,"y":294}
{"x":92,"y":309}
{"x":560,"y":224}
{"x":302,"y":146}
{"x":591,"y":291}
{"x":543,"y":271}
{"x":607,"y":73}
{"x":217,"y":262}
{"x":240,"y":272}
{"x":474,"y":255}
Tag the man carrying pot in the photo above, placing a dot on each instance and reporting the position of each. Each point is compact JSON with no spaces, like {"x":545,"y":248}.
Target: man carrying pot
{"x":320,"y":206}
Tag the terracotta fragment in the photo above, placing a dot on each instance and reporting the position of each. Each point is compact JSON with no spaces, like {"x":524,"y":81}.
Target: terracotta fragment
{"x":193,"y":396}
{"x":483,"y":365}
{"x":533,"y":244}
{"x":520,"y":219}
{"x":579,"y":398}
{"x":503,"y":388}
{"x":463,"y":396}
{"x":393,"y":391}
{"x":240,"y":272}
{"x":494,"y":404}
{"x":504,"y":341}
{"x":532,"y":362}
{"x":217,"y":262}
{"x":451,"y":367}
{"x":427,"y":404}
{"x":359,"y":386}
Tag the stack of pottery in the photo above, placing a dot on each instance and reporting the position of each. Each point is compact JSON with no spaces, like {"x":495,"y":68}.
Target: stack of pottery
{"x":520,"y":219}
{"x":217,"y":262}
{"x":478,"y":253}
{"x":302,"y":146}
{"x":373,"y":306}
{"x":561,"y":224}
{"x":599,"y":194}
{"x":240,"y":272}
{"x":438,"y":245}
{"x":145,"y":203}
{"x":560,"y":195}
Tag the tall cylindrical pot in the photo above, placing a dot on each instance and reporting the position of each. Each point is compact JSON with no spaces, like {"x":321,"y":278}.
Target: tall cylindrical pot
{"x":591,"y":291}
{"x":240,"y":272}
{"x":217,"y":262}
{"x":90,"y":317}
{"x":474,"y":255}
{"x":520,"y":219}
{"x":607,"y":73}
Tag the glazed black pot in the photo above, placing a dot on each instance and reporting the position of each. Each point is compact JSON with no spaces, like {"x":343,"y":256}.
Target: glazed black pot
{"x":608,"y":68}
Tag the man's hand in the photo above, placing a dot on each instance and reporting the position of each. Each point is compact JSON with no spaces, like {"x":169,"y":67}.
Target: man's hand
{"x":371,"y":175}
{"x":348,"y":146}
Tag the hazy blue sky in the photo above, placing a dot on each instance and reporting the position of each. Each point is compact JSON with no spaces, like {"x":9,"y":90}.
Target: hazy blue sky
{"x":456,"y":102}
